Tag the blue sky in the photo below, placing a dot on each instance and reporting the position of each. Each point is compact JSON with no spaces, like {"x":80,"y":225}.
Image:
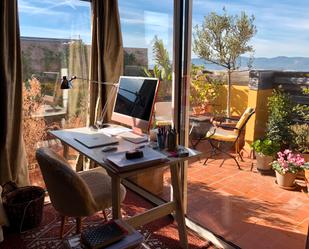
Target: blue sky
{"x":283,"y":25}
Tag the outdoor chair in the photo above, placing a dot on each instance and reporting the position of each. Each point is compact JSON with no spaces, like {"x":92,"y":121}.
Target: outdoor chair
{"x":75,"y":194}
{"x":163,"y":113}
{"x":220,"y":133}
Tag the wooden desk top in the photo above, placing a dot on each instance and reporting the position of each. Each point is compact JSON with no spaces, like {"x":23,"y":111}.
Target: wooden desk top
{"x":67,"y":136}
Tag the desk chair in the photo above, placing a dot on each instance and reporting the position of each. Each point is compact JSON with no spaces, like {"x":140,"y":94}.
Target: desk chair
{"x":75,"y":194}
{"x":222,"y":134}
{"x":163,"y":113}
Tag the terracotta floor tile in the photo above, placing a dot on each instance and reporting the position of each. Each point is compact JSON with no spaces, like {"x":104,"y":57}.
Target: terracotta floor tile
{"x":243,"y":206}
{"x":247,"y":208}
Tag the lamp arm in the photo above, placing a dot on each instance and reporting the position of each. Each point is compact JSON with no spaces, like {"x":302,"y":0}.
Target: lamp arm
{"x":95,"y":81}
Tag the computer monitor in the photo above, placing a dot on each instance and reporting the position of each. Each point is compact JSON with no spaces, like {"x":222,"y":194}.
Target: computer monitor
{"x":135,"y":101}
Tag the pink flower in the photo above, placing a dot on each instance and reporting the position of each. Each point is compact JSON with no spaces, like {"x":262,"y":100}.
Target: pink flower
{"x":289,"y":161}
{"x":286,"y":152}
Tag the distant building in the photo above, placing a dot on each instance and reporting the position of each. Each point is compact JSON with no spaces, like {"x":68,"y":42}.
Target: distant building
{"x":51,"y":54}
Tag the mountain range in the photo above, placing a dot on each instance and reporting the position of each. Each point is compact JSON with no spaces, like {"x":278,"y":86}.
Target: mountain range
{"x":276,"y":63}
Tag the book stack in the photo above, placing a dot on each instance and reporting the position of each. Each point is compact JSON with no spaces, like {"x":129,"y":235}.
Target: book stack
{"x":122,"y":164}
{"x":112,"y":235}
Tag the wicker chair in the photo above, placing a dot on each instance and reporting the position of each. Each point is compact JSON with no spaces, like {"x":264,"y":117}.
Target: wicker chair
{"x":221,"y":134}
{"x":75,"y":194}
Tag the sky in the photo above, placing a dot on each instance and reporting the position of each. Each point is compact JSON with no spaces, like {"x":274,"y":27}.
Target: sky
{"x":282,"y":25}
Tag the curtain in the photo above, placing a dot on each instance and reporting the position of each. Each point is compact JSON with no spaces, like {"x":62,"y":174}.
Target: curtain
{"x":106,"y":62}
{"x":13,"y":164}
{"x":106,"y":54}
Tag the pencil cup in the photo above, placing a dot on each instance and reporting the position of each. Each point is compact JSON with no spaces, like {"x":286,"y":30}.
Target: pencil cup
{"x":171,"y":141}
{"x":161,"y":141}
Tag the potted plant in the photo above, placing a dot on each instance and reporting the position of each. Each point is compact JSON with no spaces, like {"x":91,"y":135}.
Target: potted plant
{"x":300,"y":130}
{"x":204,"y":90}
{"x":280,"y":110}
{"x":265,"y":150}
{"x":286,"y":166}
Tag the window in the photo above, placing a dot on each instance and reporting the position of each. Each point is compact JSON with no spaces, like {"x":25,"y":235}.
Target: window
{"x":55,"y":42}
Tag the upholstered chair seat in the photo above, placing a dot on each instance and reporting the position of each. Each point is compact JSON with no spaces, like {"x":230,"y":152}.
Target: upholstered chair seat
{"x":75,"y":194}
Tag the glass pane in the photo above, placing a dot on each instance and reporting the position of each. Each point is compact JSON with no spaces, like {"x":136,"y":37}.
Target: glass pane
{"x":230,"y":202}
{"x":147,"y":35}
{"x":55,"y":42}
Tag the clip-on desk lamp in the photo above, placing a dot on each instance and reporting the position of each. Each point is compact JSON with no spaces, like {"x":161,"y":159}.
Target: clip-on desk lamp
{"x":67,"y":84}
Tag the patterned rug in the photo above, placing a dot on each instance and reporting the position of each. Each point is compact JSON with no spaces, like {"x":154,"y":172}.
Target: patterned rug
{"x":160,"y":234}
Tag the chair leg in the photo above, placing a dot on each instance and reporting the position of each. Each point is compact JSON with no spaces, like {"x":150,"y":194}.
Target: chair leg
{"x":63,"y":221}
{"x":78,"y":225}
{"x":241,"y":158}
{"x":105,"y":215}
{"x":224,"y":152}
{"x":238,"y":150}
{"x":212,"y":153}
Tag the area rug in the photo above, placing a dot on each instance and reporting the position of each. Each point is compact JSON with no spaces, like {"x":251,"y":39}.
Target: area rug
{"x":160,"y":234}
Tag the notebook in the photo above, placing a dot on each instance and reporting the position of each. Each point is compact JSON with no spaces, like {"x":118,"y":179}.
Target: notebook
{"x":103,"y":235}
{"x":95,"y":140}
{"x":150,"y":157}
{"x":134,"y":138}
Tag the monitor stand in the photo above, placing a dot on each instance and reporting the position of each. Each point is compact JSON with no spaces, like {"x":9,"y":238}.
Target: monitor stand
{"x":137,"y":131}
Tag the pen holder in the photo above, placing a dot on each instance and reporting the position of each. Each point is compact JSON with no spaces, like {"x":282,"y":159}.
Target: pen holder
{"x":171,"y":141}
{"x":161,"y":141}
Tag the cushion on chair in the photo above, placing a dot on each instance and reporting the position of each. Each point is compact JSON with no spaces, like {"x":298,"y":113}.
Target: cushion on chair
{"x":222,"y":134}
{"x":100,"y":186}
{"x":244,"y":117}
{"x":164,"y":122}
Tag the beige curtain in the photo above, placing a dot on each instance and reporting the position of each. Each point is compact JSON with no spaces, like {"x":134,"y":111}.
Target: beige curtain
{"x":13,"y":164}
{"x":106,"y":62}
{"x":106,"y":53}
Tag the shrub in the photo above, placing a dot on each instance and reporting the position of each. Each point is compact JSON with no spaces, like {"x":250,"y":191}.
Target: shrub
{"x":279,"y":119}
{"x":266,"y":147}
{"x":204,"y":88}
{"x":33,"y":128}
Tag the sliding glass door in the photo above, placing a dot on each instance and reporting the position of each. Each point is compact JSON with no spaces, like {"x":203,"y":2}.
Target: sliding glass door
{"x":147,"y":33}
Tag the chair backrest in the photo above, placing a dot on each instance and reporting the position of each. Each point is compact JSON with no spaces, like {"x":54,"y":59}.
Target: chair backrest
{"x":68,"y":193}
{"x":244,"y":118}
{"x":164,"y":109}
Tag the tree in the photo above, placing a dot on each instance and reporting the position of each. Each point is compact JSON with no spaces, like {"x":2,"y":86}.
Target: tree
{"x":221,"y":39}
{"x":162,"y":69}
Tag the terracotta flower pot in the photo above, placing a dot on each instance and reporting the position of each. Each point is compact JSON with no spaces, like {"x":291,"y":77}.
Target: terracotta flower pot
{"x":197,"y":110}
{"x":207,"y":108}
{"x":263,"y":162}
{"x":286,"y":181}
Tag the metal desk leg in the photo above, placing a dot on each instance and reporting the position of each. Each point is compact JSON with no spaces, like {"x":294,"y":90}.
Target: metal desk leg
{"x":116,"y":197}
{"x":180,"y":217}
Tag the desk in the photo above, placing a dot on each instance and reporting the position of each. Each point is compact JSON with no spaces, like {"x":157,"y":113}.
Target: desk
{"x":96,"y":154}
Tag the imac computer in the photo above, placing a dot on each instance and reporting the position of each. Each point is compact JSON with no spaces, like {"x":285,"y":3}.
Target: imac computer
{"x":135,"y":102}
